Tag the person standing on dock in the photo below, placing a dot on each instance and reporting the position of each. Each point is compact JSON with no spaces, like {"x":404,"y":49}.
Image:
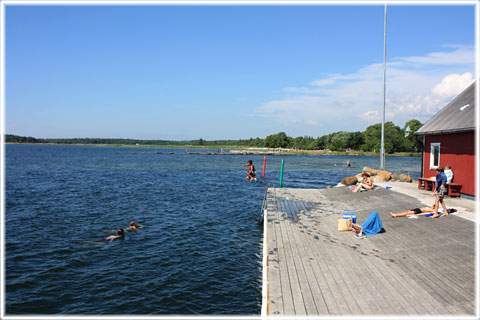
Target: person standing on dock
{"x":251,"y":172}
{"x":440,"y":191}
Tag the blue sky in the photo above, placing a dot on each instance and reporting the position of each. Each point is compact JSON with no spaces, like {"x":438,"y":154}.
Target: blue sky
{"x":229,"y":72}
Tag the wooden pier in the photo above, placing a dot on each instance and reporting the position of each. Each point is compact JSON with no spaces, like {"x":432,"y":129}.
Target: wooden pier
{"x":418,"y":266}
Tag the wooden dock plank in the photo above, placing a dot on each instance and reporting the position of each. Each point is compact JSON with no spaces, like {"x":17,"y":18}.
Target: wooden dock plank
{"x":314,"y":301}
{"x":275,"y":303}
{"x":306,"y":295}
{"x":293,"y":276}
{"x":375,"y":268}
{"x":287,"y":299}
{"x":334,"y":301}
{"x":353,"y":279}
{"x":405,"y":271}
{"x":379,"y":285}
{"x":410,"y":241}
{"x":356,"y":303}
{"x":343,"y":283}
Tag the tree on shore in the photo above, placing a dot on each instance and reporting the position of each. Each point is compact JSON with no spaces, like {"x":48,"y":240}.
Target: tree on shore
{"x":20,"y":139}
{"x":412,"y":142}
{"x":396,"y":140}
{"x":279,"y":140}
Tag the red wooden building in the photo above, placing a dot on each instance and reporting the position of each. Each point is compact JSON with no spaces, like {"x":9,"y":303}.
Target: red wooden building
{"x":449,"y":139}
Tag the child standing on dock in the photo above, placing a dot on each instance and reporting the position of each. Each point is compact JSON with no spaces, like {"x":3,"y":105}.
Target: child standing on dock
{"x":439,"y":192}
{"x":251,"y":172}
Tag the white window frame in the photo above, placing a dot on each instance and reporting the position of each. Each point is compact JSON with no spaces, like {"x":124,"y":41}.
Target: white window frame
{"x":433,"y":145}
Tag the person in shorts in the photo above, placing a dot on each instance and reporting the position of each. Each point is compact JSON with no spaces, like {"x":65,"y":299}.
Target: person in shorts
{"x":439,"y":192}
{"x":251,"y":174}
{"x":414,"y":211}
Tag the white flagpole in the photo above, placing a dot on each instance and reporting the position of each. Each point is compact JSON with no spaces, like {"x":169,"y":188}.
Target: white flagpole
{"x":382,"y":148}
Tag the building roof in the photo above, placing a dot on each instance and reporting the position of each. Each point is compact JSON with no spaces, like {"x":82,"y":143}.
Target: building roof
{"x":457,"y":116}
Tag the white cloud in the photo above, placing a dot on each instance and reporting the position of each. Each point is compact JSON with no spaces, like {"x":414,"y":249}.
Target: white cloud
{"x":370,"y":115}
{"x":453,"y":84}
{"x":462,"y":55}
{"x":417,"y":87}
{"x":331,"y":79}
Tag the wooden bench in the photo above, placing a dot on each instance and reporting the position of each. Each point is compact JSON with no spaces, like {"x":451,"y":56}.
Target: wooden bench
{"x":454,"y":189}
{"x":426,"y":183}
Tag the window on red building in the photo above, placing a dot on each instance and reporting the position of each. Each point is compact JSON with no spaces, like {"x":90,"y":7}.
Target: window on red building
{"x":434,"y":155}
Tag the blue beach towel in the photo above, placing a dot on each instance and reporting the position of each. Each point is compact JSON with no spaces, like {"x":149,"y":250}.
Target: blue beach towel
{"x":372,"y":225}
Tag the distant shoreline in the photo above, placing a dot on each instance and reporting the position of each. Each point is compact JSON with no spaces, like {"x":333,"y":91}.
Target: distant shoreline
{"x":249,"y":151}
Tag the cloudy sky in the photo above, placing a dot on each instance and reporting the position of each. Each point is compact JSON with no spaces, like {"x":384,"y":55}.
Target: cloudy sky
{"x":229,"y":72}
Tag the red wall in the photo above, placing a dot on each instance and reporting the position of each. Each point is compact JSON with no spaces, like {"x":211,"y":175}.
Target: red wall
{"x":457,"y":150}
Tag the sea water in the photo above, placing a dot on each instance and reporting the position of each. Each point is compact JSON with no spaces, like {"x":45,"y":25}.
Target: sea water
{"x":199,"y":253}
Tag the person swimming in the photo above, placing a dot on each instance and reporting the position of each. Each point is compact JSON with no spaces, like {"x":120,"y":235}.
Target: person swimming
{"x":120,"y":234}
{"x":134,"y":226}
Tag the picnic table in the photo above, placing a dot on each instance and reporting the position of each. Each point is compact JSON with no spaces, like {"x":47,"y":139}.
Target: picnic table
{"x":426,"y":183}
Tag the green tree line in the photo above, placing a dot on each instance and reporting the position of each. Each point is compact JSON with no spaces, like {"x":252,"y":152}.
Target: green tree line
{"x":396,"y":140}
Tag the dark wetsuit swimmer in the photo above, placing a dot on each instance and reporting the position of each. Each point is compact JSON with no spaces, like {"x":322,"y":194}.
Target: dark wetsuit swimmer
{"x":120,"y":234}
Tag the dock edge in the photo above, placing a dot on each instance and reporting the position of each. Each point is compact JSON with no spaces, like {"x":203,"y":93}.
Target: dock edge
{"x":265,"y":267}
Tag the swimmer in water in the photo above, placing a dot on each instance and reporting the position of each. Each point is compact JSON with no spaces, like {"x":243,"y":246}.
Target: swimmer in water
{"x":251,"y":172}
{"x":120,"y":234}
{"x":134,"y":226}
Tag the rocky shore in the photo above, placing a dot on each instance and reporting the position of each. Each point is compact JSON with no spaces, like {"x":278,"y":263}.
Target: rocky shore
{"x":377,"y":176}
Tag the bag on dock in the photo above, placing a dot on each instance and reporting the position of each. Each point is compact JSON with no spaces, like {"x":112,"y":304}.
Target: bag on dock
{"x":372,"y":225}
{"x":344,"y":224}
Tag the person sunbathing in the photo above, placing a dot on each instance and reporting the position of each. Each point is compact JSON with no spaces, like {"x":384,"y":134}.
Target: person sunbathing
{"x":414,"y":211}
{"x":422,"y":210}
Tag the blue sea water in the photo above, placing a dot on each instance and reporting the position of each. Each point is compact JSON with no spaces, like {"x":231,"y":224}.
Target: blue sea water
{"x":200,"y":251}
